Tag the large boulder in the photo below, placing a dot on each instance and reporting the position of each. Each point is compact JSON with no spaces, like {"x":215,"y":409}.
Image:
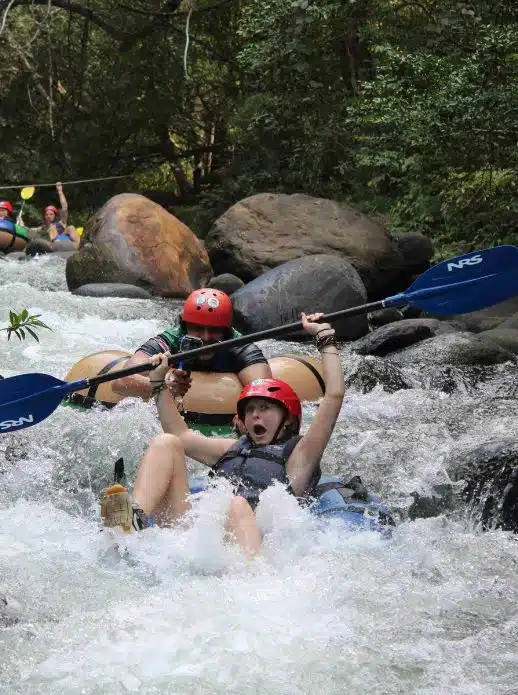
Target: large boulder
{"x":370,"y":372}
{"x":265,"y":230}
{"x":312,"y":283}
{"x":134,"y":241}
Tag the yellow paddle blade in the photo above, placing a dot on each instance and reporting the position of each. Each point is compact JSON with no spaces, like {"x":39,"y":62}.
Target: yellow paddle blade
{"x":79,"y":230}
{"x":28,"y":192}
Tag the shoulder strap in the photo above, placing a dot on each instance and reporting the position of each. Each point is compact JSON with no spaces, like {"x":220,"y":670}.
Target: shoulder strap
{"x":287,"y":451}
{"x":243,"y":447}
{"x":235,"y":450}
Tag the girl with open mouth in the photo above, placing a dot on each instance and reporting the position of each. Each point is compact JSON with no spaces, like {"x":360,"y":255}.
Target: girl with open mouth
{"x":270,"y":450}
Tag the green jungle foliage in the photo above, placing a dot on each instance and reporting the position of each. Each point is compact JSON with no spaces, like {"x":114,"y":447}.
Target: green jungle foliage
{"x":407,"y":110}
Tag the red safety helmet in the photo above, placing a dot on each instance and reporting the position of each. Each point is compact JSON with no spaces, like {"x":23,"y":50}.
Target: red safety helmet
{"x":208,"y":307}
{"x":273,"y":389}
{"x":52,"y":208}
{"x":6,"y":205}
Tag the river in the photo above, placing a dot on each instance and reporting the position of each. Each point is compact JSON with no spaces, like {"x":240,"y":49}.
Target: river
{"x":433,"y":611}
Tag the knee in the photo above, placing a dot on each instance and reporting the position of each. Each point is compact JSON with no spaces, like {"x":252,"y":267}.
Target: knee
{"x":239,"y":508}
{"x":169,"y":443}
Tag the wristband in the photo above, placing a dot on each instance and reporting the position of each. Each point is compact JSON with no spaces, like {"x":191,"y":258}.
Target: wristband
{"x":325,"y":340}
{"x":158,"y":390}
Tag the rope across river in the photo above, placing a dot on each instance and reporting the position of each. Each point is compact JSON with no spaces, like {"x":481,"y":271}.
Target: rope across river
{"x":66,"y":183}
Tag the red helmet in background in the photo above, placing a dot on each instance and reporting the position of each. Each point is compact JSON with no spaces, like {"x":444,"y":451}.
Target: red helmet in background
{"x":6,"y":205}
{"x":208,"y":307}
{"x":52,"y":208}
{"x":274,"y":390}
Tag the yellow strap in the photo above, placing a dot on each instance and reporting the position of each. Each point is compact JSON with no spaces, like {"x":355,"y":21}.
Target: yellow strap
{"x":115,"y":489}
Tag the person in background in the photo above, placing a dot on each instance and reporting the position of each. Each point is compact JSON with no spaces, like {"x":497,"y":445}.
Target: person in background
{"x":55,"y":225}
{"x":6,"y":209}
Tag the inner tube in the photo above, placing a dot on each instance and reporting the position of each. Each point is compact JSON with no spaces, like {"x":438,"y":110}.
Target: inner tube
{"x":211,"y":400}
{"x":39,"y":247}
{"x":349,"y":503}
{"x":12,"y":236}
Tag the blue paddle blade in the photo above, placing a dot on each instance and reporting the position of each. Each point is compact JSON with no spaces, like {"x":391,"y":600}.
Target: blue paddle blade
{"x":28,"y":399}
{"x":467,"y":283}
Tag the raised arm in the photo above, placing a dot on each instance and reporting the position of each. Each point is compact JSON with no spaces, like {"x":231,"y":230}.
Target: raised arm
{"x":63,"y":204}
{"x":306,"y":456}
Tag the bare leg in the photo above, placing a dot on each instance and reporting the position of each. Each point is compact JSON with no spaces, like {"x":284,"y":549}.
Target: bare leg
{"x":241,"y":524}
{"x":162,"y":485}
{"x":74,"y":236}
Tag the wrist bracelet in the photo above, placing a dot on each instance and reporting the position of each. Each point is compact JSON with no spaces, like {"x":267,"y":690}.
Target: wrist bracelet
{"x":325,"y":340}
{"x":324,"y":329}
{"x":156,"y":381}
{"x":157,"y":390}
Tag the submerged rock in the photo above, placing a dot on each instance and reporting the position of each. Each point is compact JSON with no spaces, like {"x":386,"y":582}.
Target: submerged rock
{"x":112,"y":289}
{"x":486,"y":470}
{"x":371,"y":372}
{"x":458,"y":349}
{"x":10,"y":611}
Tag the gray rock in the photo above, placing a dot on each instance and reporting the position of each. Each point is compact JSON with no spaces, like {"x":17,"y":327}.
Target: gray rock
{"x":485,"y":319}
{"x":507,"y":338}
{"x":226,"y":282}
{"x":485,"y":470}
{"x":268,"y":229}
{"x":398,"y":335}
{"x":372,"y":372}
{"x":112,"y":289}
{"x":417,"y":251}
{"x":313,"y":283}
{"x":456,"y":349}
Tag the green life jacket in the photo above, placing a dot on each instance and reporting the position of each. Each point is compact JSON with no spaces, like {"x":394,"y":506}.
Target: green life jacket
{"x":174,"y":335}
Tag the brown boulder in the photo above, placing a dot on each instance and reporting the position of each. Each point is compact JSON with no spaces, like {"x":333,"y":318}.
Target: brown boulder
{"x":134,"y":241}
{"x":265,"y":230}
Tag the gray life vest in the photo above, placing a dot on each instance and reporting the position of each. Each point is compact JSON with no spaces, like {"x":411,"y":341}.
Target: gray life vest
{"x":251,"y":469}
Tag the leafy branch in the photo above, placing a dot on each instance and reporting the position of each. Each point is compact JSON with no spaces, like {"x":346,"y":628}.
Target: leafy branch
{"x":22,"y":322}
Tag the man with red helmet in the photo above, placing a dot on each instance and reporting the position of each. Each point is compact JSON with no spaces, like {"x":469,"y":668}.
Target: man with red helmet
{"x":270,"y":451}
{"x":6,"y":209}
{"x":206,"y":318}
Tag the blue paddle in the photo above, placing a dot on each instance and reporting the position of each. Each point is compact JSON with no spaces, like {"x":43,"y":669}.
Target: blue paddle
{"x":462,"y":284}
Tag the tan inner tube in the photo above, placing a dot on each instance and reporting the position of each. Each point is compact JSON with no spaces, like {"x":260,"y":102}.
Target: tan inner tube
{"x":212,"y":397}
{"x":7,"y":244}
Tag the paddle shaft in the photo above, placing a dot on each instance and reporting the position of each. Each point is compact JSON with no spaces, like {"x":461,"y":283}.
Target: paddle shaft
{"x":235,"y":342}
{"x":394,"y":301}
